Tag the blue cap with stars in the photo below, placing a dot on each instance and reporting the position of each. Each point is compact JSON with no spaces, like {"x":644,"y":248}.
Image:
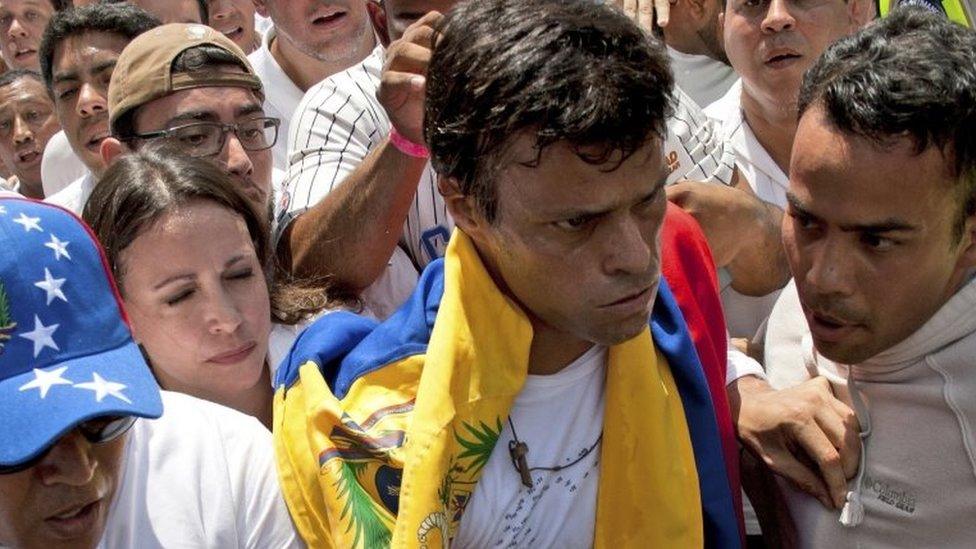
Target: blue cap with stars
{"x":66,"y":353}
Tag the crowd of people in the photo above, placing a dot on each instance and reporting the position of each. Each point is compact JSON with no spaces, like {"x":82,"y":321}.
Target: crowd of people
{"x":478,"y":273}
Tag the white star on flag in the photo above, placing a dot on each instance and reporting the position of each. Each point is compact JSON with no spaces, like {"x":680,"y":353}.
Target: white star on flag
{"x":60,"y":247}
{"x":103,"y":388}
{"x":52,"y":286}
{"x":29,"y":222}
{"x":3,"y":210}
{"x":41,"y":336}
{"x":43,"y":380}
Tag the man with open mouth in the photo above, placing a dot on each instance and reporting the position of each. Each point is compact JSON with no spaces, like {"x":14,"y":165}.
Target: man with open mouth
{"x":92,"y":453}
{"x":881,"y":239}
{"x":21,"y":24}
{"x":235,"y":18}
{"x":770,"y":45}
{"x":27,"y":122}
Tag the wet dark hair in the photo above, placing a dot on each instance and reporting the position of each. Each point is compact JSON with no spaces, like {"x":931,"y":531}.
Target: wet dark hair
{"x":124,"y":20}
{"x":140,"y":187}
{"x":911,"y":74}
{"x":579,"y":72}
{"x":14,"y":75}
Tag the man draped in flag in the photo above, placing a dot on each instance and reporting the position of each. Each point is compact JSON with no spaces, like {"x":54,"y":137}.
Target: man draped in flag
{"x":542,"y":386}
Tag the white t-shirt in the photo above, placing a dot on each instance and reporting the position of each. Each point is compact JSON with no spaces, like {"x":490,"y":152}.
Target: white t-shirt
{"x":704,"y":79}
{"x":202,"y":475}
{"x":60,"y":166}
{"x":281,"y":95}
{"x":559,"y":417}
{"x":745,"y":315}
{"x":74,"y":196}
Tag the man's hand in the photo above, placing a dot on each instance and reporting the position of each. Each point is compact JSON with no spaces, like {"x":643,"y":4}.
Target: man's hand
{"x":643,"y":12}
{"x":727,"y":215}
{"x":743,"y":233}
{"x":802,"y":433}
{"x":404,"y":78}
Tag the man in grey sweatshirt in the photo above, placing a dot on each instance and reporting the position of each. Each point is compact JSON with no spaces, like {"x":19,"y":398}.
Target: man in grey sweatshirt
{"x":881,"y":237}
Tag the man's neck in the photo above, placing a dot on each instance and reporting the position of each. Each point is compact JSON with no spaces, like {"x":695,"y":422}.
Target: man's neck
{"x":774,"y":125}
{"x":32,"y":190}
{"x":685,"y":42}
{"x":553,"y":351}
{"x":306,"y":71}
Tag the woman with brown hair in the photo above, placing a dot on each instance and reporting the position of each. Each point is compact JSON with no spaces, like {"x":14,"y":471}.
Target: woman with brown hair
{"x":195,"y":268}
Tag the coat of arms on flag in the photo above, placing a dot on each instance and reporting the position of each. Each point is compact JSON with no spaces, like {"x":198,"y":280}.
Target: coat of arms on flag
{"x":7,"y":324}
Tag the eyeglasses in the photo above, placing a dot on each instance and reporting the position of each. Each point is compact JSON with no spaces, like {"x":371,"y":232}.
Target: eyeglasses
{"x":96,"y":431}
{"x":207,"y":138}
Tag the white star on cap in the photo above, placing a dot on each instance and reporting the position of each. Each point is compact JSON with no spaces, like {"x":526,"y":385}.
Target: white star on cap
{"x":60,"y":247}
{"x":41,"y":336}
{"x":52,"y":286}
{"x":103,"y":388}
{"x":29,"y":222}
{"x":3,"y":210}
{"x":43,"y":380}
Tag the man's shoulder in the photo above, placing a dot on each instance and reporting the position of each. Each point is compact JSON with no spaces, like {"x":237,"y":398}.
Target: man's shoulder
{"x":726,"y":109}
{"x":192,"y":418}
{"x":346,"y":346}
{"x":71,"y":196}
{"x":783,"y":351}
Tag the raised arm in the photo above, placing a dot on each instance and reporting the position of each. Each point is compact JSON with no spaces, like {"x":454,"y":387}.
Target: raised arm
{"x":350,"y":233}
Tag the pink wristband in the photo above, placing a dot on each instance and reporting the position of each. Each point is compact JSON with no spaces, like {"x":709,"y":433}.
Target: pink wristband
{"x":406,"y":146}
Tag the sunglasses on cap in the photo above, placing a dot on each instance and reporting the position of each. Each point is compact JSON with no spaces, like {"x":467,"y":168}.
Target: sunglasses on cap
{"x":99,"y":430}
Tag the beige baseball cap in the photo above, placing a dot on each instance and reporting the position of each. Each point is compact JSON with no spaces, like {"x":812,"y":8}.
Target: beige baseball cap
{"x":143,"y":71}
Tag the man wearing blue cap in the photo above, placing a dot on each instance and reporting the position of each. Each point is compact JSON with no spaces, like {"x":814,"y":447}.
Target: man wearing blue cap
{"x":84,"y":461}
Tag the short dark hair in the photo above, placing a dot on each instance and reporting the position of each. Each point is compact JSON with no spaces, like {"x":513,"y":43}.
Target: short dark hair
{"x":579,"y":72}
{"x":201,"y":6}
{"x":911,"y":74}
{"x":125,"y":20}
{"x":205,"y":57}
{"x":12,"y":76}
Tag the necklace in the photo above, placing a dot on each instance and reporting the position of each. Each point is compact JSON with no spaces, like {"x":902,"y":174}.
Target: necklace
{"x":518,"y":450}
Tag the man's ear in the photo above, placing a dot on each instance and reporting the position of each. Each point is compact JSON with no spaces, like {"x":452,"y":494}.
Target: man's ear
{"x":462,"y":207}
{"x":261,"y":8}
{"x":110,"y":149}
{"x":861,"y":13}
{"x":697,"y":8}
{"x":967,"y":260}
{"x":378,"y":17}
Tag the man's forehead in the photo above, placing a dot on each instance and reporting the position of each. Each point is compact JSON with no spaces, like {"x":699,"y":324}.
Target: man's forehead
{"x":575,"y":181}
{"x":211,"y":103}
{"x":89,"y":45}
{"x":25,"y":87}
{"x":852,"y":179}
{"x":21,"y":4}
{"x":417,"y":6}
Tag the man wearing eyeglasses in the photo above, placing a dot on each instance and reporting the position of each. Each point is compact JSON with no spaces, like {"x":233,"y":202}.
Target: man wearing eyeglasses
{"x":92,"y":453}
{"x":193,"y":87}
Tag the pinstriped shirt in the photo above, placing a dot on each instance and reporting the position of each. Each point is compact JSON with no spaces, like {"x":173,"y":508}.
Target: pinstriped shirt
{"x":338,"y":123}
